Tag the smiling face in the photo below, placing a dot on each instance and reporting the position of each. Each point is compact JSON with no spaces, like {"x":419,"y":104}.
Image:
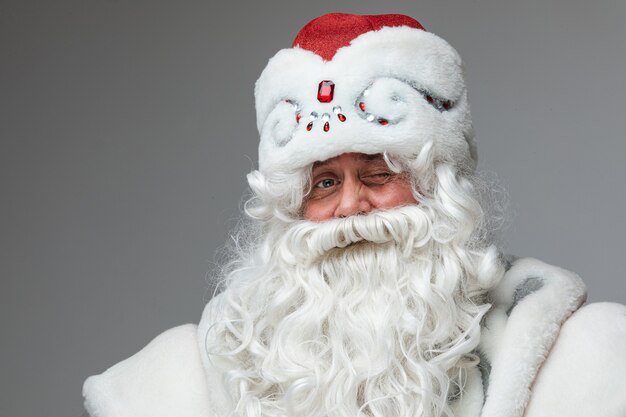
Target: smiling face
{"x":314,"y":297}
{"x":355,"y":183}
{"x":329,"y":275}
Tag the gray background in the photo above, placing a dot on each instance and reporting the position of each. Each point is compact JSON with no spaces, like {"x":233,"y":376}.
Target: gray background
{"x":127,"y":128}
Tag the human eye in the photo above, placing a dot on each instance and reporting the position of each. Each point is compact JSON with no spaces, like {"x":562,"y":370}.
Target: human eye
{"x":382,"y":174}
{"x":325,"y":183}
{"x":377,"y":177}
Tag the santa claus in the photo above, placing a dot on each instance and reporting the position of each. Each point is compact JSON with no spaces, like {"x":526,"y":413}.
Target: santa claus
{"x":365,"y":282}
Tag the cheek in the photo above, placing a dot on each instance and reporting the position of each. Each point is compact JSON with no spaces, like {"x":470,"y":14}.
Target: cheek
{"x":317,"y":210}
{"x":394,"y":194}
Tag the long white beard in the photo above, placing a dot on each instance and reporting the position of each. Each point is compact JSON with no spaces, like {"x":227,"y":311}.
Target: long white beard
{"x":373,"y":315}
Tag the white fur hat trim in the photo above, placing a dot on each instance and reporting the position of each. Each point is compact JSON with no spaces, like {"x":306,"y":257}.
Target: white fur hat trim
{"x":399,"y":67}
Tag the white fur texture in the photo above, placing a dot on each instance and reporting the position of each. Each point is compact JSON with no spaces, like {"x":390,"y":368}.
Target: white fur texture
{"x":164,"y":379}
{"x":585,"y":374}
{"x":518,"y":344}
{"x":394,"y":63}
{"x":470,"y":401}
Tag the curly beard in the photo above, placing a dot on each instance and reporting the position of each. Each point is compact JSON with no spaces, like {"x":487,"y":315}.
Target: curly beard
{"x":372,"y":315}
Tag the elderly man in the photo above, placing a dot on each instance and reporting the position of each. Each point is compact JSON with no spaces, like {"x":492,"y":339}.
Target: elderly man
{"x":365,"y":282}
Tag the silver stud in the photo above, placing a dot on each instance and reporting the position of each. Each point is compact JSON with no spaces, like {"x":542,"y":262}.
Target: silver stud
{"x":313,"y":115}
{"x":325,"y":117}
{"x":370,"y":117}
{"x":336,"y":109}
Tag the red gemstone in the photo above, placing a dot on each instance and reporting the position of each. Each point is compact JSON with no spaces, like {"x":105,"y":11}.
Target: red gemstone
{"x":298,"y":117}
{"x":325,"y":91}
{"x":326,"y":127}
{"x":309,"y":126}
{"x":383,"y":122}
{"x":341,"y":117}
{"x":429,"y":99}
{"x":446,"y":105}
{"x":362,"y":106}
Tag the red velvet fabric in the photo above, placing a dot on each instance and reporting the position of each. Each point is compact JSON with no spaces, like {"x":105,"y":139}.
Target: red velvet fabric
{"x":327,"y":33}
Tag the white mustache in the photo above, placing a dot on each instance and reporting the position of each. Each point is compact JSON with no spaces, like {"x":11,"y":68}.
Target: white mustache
{"x":407,"y":226}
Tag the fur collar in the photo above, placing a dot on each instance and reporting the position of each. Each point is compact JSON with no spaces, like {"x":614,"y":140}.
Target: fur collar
{"x":530,"y":304}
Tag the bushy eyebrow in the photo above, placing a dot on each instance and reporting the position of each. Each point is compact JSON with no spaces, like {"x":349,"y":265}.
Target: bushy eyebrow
{"x":371,"y":157}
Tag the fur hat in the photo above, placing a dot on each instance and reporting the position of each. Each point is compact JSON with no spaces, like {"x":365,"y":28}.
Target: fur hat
{"x":367,"y":84}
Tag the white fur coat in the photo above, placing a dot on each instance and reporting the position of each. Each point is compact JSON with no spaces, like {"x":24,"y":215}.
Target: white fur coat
{"x":536,"y":360}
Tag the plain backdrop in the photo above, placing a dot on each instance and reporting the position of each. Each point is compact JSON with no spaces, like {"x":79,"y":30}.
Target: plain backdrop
{"x":127,"y":128}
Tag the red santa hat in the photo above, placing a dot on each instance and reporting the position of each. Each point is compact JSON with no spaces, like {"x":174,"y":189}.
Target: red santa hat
{"x":367,"y":84}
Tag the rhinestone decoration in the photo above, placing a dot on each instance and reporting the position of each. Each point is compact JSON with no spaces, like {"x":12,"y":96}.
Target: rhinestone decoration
{"x":340,"y":116}
{"x":296,"y":109}
{"x":325,"y":91}
{"x":309,"y":126}
{"x":296,"y":106}
{"x":439,"y":104}
{"x":313,"y":115}
{"x":325,"y":119}
{"x":367,"y":116}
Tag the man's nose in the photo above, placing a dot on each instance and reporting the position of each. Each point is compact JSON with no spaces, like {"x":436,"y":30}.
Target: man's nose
{"x":353,"y":200}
